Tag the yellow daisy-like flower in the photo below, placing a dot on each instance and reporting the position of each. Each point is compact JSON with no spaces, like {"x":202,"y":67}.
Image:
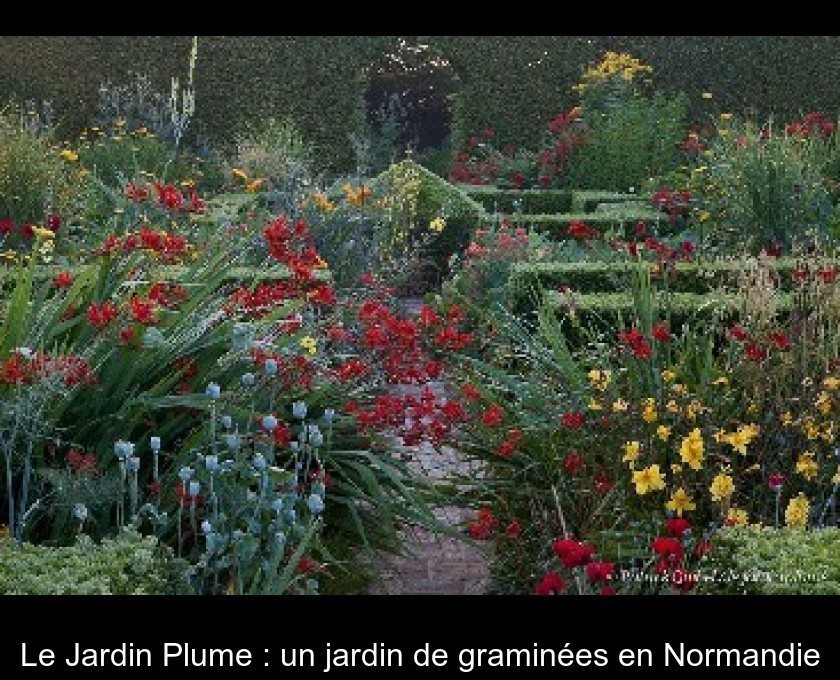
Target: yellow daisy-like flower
{"x":69,"y":155}
{"x":723,"y":380}
{"x":649,"y":414}
{"x":827,"y":433}
{"x":691,"y":449}
{"x":40,"y":232}
{"x":437,"y":225}
{"x":676,"y":468}
{"x":309,"y":345}
{"x":807,"y":466}
{"x":722,"y":488}
{"x":595,"y":405}
{"x":811,"y":429}
{"x":797,"y":511}
{"x":726,"y":116}
{"x":831,"y":383}
{"x":824,"y":402}
{"x":679,"y":389}
{"x":663,"y":432}
{"x":681,"y":502}
{"x":694,"y":409}
{"x":620,"y":406}
{"x":600,"y":380}
{"x":241,"y":175}
{"x":672,"y":407}
{"x":740,"y":439}
{"x":631,"y":452}
{"x":668,"y":375}
{"x":737,"y":517}
{"x":647,"y":480}
{"x":786,"y":419}
{"x":707,"y":95}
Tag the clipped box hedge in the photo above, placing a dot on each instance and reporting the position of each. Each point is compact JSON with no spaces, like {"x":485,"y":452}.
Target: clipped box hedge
{"x":529,"y":201}
{"x":589,"y":201}
{"x":606,"y":277}
{"x":621,"y":222}
{"x":767,"y":561}
{"x":130,"y":564}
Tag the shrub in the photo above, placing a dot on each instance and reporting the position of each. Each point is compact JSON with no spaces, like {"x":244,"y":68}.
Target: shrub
{"x":129,"y":564}
{"x":521,"y":201}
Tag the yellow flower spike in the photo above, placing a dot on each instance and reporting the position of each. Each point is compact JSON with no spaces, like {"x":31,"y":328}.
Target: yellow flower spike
{"x":681,"y":502}
{"x":824,"y":403}
{"x":797,"y":511}
{"x":722,"y":488}
{"x":239,"y":174}
{"x":69,"y":155}
{"x":647,"y":480}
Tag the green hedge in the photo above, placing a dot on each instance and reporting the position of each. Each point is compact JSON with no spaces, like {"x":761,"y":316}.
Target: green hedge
{"x":606,"y":277}
{"x":619,"y":222}
{"x":752,"y":561}
{"x":531,"y":201}
{"x":589,"y":201}
{"x":130,"y":564}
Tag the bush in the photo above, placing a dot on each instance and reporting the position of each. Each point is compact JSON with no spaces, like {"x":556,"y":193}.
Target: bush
{"x":129,"y":564}
{"x":521,"y":202}
{"x":767,"y":561}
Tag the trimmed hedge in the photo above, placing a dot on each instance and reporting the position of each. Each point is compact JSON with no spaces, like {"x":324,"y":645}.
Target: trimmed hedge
{"x":130,"y":564}
{"x":590,"y":201}
{"x":767,"y":561}
{"x":606,"y":277}
{"x":531,"y":201}
{"x":621,"y":222}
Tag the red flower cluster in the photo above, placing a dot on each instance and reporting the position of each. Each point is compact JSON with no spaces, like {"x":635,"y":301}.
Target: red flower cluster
{"x":551,"y":584}
{"x":81,"y":463}
{"x":20,"y":369}
{"x":163,"y":244}
{"x":814,"y":123}
{"x":669,"y":552}
{"x":583,"y":233}
{"x":484,"y":526}
{"x":755,"y":349}
{"x":510,"y":444}
{"x":674,"y":203}
{"x":572,"y":553}
{"x":637,"y":342}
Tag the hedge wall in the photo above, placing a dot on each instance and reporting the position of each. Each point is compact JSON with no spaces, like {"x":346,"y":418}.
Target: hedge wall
{"x":514,"y":84}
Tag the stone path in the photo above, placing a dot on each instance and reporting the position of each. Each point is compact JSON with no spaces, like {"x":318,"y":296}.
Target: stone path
{"x":434,"y":564}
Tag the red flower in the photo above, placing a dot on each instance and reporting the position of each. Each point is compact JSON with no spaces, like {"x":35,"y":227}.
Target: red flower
{"x":551,"y":584}
{"x":602,"y":482}
{"x":63,"y":280}
{"x":53,"y":222}
{"x":6,"y":226}
{"x":661,"y":333}
{"x":514,"y":529}
{"x":484,"y":525}
{"x":776,"y":482}
{"x":737,"y":333}
{"x":28,"y":231}
{"x":800,"y":275}
{"x":637,"y":342}
{"x":670,"y":552}
{"x":572,"y":463}
{"x":572,"y":553}
{"x":828,"y":275}
{"x":507,"y":447}
{"x":428,"y":317}
{"x":677,"y":526}
{"x":470,"y":392}
{"x":781,"y":340}
{"x":755,"y":352}
{"x":492,"y":417}
{"x":641,"y":229}
{"x":100,"y":316}
{"x":127,"y":335}
{"x":774,"y":250}
{"x":573,"y":420}
{"x":136,"y":193}
{"x":169,"y":196}
{"x":582,"y":232}
{"x":142,"y":311}
{"x":600,"y":572}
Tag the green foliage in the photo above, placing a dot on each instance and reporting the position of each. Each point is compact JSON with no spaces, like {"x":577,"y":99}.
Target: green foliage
{"x":276,"y":150}
{"x":619,"y":221}
{"x":587,"y":201}
{"x":766,"y":561}
{"x":129,"y":564}
{"x":629,"y":144}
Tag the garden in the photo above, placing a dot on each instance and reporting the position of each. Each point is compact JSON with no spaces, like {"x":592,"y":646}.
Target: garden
{"x":253,"y":364}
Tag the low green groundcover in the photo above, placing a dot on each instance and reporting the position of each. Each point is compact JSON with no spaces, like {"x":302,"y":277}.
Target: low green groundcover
{"x":130,"y":564}
{"x":770,"y":561}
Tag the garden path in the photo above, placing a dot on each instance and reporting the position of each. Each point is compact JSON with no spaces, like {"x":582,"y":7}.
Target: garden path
{"x":433,"y":564}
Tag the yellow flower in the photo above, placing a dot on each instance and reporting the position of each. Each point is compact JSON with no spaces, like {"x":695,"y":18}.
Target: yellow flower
{"x":239,"y":174}
{"x":811,"y":429}
{"x":631,"y":452}
{"x":320,"y":263}
{"x":824,"y":403}
{"x":722,"y":488}
{"x":786,"y":418}
{"x":706,"y":95}
{"x":691,"y":449}
{"x":668,"y":375}
{"x":595,"y":405}
{"x":831,"y":383}
{"x":42,"y":233}
{"x":9,"y":256}
{"x":600,"y":380}
{"x":704,"y":216}
{"x":836,"y":478}
{"x":322,"y":202}
{"x":796,"y":512}
{"x":679,"y":389}
{"x":438,"y":224}
{"x":723,"y":380}
{"x":254,"y":187}
{"x":672,"y":407}
{"x":676,"y":468}
{"x":69,"y":155}
{"x":694,"y":409}
{"x":647,"y":480}
{"x":740,"y":439}
{"x":726,"y":116}
{"x":680,"y":502}
{"x":828,"y":432}
{"x":188,"y":183}
{"x":755,"y":467}
{"x":663,"y":432}
{"x":309,"y":344}
{"x":649,"y":411}
{"x":619,"y":406}
{"x":737,"y":517}
{"x":807,"y":466}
